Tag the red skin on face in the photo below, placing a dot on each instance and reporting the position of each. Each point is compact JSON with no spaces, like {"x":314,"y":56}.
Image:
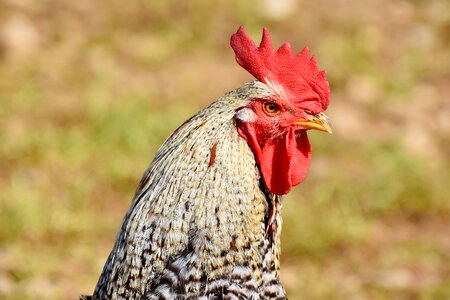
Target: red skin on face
{"x":281,"y":149}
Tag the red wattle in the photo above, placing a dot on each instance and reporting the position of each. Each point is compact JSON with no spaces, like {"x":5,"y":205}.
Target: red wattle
{"x":284,"y":161}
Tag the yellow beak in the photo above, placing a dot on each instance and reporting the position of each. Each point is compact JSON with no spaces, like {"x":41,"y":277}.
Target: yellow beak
{"x":318,"y":122}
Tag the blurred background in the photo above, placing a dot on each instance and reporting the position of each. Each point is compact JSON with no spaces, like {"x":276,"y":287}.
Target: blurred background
{"x":90,"y":89}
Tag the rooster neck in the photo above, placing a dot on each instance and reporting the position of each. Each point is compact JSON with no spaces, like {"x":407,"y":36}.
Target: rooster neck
{"x":200,"y":213}
{"x":206,"y":173}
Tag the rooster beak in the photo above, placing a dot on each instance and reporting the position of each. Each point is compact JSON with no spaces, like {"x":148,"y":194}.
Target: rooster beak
{"x":318,"y":122}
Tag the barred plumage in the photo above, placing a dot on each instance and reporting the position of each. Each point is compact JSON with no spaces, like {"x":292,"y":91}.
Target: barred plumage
{"x":205,"y":221}
{"x":198,"y":228}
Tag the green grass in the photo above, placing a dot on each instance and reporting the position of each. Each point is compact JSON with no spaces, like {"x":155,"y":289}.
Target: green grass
{"x":99,"y":87}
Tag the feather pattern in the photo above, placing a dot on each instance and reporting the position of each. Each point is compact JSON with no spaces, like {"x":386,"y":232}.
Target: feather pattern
{"x":202,"y":224}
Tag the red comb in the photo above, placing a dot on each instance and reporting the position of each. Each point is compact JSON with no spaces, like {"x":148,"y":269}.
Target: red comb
{"x":297,"y":75}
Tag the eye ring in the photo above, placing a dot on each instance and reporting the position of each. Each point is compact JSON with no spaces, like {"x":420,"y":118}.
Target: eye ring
{"x":271,"y":107}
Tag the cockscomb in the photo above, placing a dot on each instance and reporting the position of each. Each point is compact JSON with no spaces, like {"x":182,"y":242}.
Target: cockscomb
{"x":296,"y":77}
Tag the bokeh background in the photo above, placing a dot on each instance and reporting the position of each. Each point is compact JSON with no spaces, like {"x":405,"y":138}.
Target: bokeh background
{"x":90,"y":89}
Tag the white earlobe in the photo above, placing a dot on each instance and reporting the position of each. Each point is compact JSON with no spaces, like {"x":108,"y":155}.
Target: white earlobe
{"x":246,"y":115}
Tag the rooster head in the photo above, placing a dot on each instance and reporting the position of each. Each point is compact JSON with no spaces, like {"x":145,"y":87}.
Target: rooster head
{"x":275,"y":124}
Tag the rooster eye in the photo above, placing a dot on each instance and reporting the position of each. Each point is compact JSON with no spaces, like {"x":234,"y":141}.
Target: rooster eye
{"x":271,"y":107}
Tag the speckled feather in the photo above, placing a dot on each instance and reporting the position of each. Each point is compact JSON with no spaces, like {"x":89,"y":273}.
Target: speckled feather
{"x":202,"y":224}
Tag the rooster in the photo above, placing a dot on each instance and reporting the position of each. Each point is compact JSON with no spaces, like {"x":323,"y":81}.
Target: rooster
{"x":205,"y":221}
